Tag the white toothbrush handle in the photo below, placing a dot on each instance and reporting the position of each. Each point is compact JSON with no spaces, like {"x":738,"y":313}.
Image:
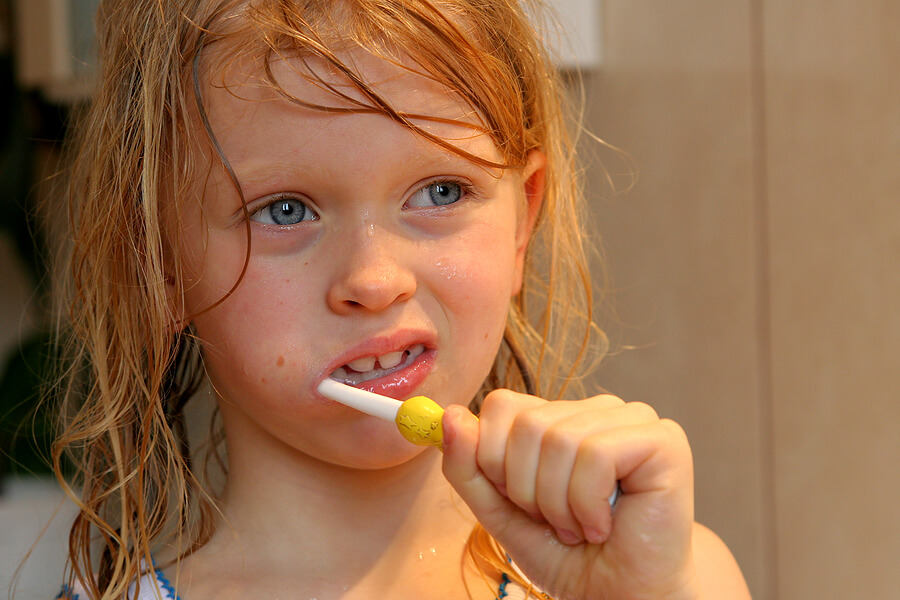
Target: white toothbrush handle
{"x":363,"y":401}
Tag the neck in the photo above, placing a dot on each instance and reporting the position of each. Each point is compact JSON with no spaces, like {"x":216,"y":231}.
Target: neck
{"x":288,"y":516}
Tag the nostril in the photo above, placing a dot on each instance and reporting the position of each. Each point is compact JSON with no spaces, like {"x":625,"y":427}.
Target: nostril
{"x":370,"y":286}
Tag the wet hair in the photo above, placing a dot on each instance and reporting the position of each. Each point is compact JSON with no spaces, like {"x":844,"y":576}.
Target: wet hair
{"x":133,"y":364}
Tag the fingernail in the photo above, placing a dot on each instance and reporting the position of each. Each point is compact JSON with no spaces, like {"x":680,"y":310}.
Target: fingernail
{"x":501,"y":487}
{"x":567,"y":537}
{"x":594,"y":536}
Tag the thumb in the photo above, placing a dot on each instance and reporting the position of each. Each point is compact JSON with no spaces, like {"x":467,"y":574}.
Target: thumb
{"x":506,"y":522}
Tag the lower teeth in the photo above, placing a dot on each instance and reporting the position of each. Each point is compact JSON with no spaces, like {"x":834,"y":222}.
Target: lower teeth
{"x":355,"y":378}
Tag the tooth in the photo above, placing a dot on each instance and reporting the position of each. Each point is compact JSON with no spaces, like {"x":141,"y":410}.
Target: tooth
{"x":362,"y":364}
{"x":390,"y":360}
{"x":340,"y":374}
{"x":416,"y":350}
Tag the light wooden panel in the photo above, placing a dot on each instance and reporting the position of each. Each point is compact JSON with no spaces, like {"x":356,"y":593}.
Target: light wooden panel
{"x":833,"y":155}
{"x":675,"y":92}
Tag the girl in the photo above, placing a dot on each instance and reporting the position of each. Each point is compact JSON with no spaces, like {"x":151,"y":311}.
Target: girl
{"x":269,"y":193}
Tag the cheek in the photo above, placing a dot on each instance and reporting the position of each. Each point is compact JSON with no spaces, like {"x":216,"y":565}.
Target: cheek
{"x":476,"y":280}
{"x":211,"y":265}
{"x":255,"y":335}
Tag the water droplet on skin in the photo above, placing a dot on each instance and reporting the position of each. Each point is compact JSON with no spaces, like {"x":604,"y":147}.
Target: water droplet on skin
{"x":370,"y":230}
{"x":449,"y":270}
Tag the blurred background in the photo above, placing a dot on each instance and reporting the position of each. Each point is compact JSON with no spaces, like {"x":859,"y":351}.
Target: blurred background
{"x":753,"y":261}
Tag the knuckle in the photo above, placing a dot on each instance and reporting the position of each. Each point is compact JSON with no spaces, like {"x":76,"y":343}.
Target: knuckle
{"x":608,"y":401}
{"x":673,"y":428}
{"x":644,"y":411}
{"x":675,"y":433}
{"x":493,"y":468}
{"x":497,"y":400}
{"x":596,"y":451}
{"x":556,"y":440}
{"x":529,"y":422}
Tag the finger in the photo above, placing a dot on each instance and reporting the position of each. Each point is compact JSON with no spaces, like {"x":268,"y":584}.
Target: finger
{"x":592,"y":481}
{"x":498,"y":411}
{"x":559,"y":448}
{"x":523,"y":456}
{"x":541,"y":452}
{"x":558,"y":453}
{"x":460,"y":467}
{"x":651,"y":461}
{"x":531,"y":545}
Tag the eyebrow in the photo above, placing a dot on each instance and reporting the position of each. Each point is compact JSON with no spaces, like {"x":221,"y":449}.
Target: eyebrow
{"x":420,"y":156}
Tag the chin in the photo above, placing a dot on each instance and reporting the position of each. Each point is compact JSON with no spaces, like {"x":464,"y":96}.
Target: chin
{"x":391,"y":456}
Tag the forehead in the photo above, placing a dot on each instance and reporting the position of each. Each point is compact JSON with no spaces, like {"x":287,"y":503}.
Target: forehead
{"x":358,"y":85}
{"x":357,"y":81}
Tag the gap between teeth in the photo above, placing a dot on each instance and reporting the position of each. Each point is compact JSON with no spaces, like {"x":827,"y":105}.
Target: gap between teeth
{"x":370,"y":367}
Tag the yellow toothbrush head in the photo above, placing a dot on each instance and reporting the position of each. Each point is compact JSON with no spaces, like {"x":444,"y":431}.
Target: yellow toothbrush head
{"x":419,"y":421}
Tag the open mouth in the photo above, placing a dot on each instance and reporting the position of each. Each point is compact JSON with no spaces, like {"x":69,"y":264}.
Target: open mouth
{"x":367,"y":368}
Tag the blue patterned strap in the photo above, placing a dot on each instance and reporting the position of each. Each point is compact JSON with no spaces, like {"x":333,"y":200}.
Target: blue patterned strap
{"x":153,"y":586}
{"x":157,"y":582}
{"x":67,"y":593}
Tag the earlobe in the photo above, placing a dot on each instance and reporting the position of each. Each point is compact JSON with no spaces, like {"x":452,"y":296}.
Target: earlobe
{"x":174,"y":303}
{"x":534,"y":184}
{"x":173,"y":287}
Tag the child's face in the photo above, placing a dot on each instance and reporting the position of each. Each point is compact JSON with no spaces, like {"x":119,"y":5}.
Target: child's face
{"x":369,"y":244}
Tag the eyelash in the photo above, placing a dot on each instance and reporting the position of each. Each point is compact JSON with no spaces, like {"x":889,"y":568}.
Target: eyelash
{"x":466,"y":191}
{"x":284,"y":199}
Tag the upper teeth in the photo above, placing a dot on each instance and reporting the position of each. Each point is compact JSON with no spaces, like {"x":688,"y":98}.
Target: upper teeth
{"x":385,"y":361}
{"x":361,"y":370}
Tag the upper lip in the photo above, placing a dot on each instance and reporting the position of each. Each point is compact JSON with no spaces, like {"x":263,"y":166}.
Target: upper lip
{"x":378,"y":345}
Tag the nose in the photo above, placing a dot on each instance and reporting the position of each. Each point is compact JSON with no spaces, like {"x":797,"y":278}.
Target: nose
{"x":372,"y":272}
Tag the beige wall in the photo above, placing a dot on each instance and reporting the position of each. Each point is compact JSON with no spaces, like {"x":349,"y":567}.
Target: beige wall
{"x":755,"y":268}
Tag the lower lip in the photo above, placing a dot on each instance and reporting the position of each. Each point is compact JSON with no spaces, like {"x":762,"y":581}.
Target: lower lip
{"x":402,"y":384}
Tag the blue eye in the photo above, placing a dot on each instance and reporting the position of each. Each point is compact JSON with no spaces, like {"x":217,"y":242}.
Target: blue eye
{"x":439,"y":193}
{"x":284,"y":211}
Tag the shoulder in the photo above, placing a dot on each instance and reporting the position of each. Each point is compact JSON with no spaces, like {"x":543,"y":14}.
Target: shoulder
{"x":152,"y":585}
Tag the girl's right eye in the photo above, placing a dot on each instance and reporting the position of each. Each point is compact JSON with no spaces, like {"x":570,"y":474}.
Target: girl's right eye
{"x":286,"y":210}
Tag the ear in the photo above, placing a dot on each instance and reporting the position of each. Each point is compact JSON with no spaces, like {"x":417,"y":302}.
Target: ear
{"x":533,"y":182}
{"x":173,"y":288}
{"x":175,"y":303}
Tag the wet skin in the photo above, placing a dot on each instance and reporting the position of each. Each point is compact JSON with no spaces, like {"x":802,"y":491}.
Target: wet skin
{"x":366,"y":240}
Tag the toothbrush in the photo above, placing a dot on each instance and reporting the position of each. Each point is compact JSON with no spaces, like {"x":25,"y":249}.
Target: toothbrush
{"x":418,"y":419}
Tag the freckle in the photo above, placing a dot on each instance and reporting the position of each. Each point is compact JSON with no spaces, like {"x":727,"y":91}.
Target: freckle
{"x":262,"y":379}
{"x":280,"y":361}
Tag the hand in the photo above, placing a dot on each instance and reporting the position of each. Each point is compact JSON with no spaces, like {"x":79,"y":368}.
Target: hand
{"x":537,"y":476}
